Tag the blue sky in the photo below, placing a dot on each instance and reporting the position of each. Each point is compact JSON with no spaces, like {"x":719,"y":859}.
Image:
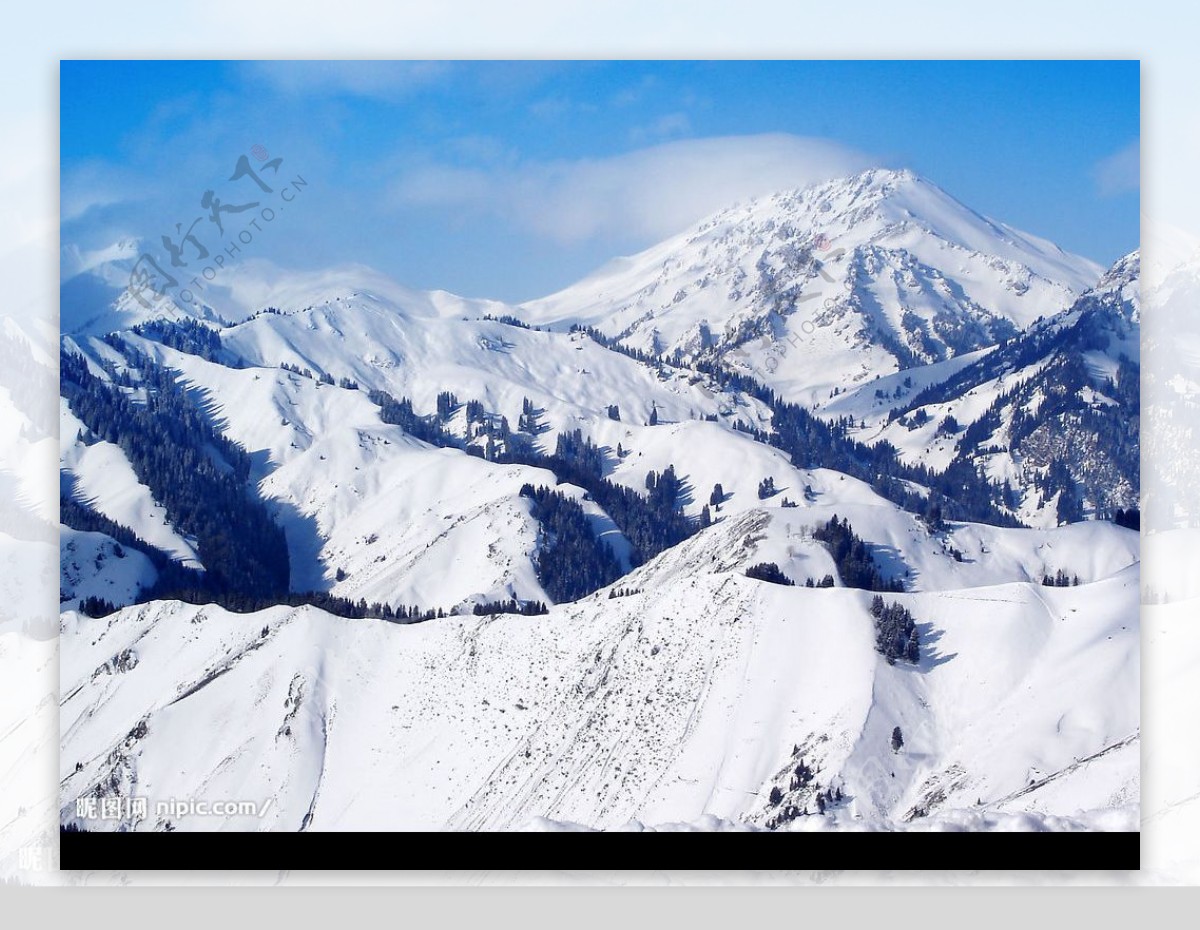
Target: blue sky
{"x":512,"y":179}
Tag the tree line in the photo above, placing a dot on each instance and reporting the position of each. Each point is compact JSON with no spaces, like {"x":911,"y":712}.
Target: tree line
{"x":199,"y":476}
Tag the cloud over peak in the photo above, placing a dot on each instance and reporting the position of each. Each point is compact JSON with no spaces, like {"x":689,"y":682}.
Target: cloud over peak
{"x":649,"y":193}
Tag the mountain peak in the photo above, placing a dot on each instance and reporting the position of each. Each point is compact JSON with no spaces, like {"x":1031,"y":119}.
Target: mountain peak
{"x":885,"y":181}
{"x":823,"y":203}
{"x":1125,"y":269}
{"x":1120,"y":288}
{"x":878,"y":271}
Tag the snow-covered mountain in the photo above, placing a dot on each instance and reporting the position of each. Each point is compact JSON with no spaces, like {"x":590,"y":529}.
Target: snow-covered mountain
{"x":397,"y":520}
{"x":646,"y":541}
{"x":96,"y":291}
{"x":827,"y":287}
{"x":1052,"y":413}
{"x":704,"y":693}
{"x":370,"y":512}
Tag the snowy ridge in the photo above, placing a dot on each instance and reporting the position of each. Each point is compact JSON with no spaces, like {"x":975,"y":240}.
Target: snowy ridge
{"x":694,"y":699}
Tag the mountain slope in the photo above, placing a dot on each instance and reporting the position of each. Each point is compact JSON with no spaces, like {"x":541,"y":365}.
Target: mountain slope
{"x":1053,"y":412}
{"x":695,"y":697}
{"x":826,"y":287}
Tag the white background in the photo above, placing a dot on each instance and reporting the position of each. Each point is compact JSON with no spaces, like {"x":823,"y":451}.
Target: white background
{"x":1162,"y":35}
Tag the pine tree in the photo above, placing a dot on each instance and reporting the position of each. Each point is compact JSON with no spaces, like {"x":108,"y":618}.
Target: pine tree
{"x":768,"y":571}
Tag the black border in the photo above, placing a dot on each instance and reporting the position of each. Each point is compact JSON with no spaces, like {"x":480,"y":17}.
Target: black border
{"x":925,"y":851}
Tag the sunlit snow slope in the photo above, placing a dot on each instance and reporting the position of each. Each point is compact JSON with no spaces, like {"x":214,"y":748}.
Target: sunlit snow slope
{"x":696,"y":696}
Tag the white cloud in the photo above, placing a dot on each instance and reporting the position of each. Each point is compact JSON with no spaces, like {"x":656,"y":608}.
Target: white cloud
{"x":651,"y":193}
{"x":1119,"y":172}
{"x":92,"y":185}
